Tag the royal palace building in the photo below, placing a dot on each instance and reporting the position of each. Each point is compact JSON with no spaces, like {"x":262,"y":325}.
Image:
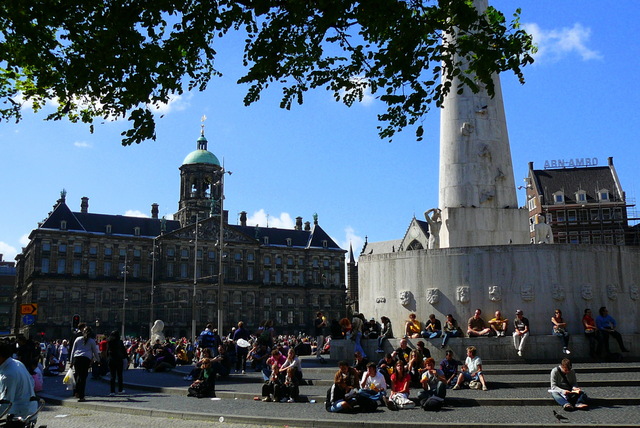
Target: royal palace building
{"x":115,"y":270}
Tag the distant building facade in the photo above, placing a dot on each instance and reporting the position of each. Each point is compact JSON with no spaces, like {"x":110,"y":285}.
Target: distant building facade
{"x":7,"y":288}
{"x":583,"y":205}
{"x":102,"y":266}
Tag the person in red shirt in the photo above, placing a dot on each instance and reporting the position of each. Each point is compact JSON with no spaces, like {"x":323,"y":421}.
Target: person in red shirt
{"x":400,"y":380}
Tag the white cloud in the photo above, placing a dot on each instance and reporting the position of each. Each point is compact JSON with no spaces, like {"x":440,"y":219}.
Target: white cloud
{"x":367,"y":97}
{"x":82,"y":144}
{"x":135,"y":213}
{"x":24,"y":240}
{"x":555,"y":44}
{"x":175,"y":103}
{"x":351,"y":238}
{"x":8,"y":252}
{"x":262,"y":219}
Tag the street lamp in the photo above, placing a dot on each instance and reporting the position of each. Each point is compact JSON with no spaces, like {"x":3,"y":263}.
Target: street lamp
{"x":195,"y":283}
{"x":124,"y":292}
{"x":220,"y":183}
{"x":153,"y":275}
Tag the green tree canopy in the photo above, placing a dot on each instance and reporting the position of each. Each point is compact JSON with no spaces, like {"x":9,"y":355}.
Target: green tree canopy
{"x":100,"y":59}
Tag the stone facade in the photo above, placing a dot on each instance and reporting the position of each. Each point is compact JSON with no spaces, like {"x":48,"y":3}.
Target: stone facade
{"x":534,"y":278}
{"x":75,"y":264}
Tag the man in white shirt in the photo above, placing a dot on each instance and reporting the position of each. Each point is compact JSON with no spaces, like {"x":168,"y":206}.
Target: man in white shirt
{"x":373,"y":385}
{"x":16,"y":384}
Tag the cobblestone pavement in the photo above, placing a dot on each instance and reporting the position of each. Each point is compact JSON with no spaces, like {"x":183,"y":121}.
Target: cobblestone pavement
{"x":175,"y":409}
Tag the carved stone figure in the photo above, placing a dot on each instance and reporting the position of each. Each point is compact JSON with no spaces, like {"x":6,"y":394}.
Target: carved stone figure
{"x":495,"y":293}
{"x":557,"y":292}
{"x":526,"y":292}
{"x":612,"y":291}
{"x":405,"y":297}
{"x":586,"y":291}
{"x":633,"y":292}
{"x":433,"y":295}
{"x":463,"y":294}
{"x":381,"y":299}
{"x":156,"y":332}
{"x":542,"y":231}
{"x":435,"y":223}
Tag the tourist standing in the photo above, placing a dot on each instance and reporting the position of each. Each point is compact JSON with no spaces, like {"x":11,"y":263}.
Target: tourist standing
{"x":83,"y":352}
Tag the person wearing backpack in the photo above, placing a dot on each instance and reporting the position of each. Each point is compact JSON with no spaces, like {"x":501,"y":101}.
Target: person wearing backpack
{"x":208,"y":340}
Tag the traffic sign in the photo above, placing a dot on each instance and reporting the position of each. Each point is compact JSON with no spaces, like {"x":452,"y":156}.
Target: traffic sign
{"x":28,"y":319}
{"x":29,"y":309}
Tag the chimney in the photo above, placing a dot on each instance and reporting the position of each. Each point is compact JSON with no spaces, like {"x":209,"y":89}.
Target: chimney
{"x":84,"y":205}
{"x":154,"y":211}
{"x":298,"y":223}
{"x":243,"y":218}
{"x":307,"y":226}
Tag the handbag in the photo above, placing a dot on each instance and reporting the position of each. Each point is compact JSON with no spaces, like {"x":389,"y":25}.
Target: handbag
{"x":69,"y":380}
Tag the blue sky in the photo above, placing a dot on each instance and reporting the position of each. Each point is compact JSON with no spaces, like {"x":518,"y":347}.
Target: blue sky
{"x":580,"y":101}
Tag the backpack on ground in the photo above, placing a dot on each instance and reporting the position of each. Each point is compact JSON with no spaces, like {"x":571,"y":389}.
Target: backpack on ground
{"x":433,"y":403}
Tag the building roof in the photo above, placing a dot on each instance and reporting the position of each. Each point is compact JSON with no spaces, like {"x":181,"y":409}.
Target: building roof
{"x":201,"y":156}
{"x":97,"y":223}
{"x":382,"y":247}
{"x":571,"y":180}
{"x":299,"y":238}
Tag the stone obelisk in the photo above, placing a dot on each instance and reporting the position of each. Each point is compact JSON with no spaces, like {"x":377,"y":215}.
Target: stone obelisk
{"x":477,"y":188}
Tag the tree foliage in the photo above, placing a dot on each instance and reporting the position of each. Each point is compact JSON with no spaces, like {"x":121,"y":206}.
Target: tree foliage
{"x":103,"y":59}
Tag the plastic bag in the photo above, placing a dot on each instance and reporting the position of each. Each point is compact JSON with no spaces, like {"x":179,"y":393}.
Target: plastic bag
{"x":69,"y":380}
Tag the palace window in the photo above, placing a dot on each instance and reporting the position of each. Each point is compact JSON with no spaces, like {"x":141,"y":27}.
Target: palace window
{"x":77,"y":265}
{"x":44,"y":267}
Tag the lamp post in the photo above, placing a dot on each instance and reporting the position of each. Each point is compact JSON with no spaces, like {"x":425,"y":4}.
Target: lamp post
{"x":124,"y":293}
{"x":153,"y":276}
{"x":222,"y":172}
{"x":195,"y":283}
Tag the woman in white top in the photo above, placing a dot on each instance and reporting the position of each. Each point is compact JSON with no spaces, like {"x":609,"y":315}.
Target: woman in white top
{"x":293,"y":362}
{"x":84,"y":351}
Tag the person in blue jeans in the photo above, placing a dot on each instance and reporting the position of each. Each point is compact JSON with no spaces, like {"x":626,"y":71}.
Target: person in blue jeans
{"x":564,"y":388}
{"x":607,"y":327}
{"x":432,"y":328}
{"x":560,"y":330}
{"x":450,"y":329}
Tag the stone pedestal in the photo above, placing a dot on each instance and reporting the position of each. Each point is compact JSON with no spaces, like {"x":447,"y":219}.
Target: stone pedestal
{"x":473,"y":227}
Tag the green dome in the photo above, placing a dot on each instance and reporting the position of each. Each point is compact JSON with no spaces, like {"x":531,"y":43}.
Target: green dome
{"x":201,"y":156}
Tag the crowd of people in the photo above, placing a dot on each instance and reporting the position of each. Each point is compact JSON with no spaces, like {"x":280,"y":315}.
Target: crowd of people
{"x":597,"y":331}
{"x":365,"y":384}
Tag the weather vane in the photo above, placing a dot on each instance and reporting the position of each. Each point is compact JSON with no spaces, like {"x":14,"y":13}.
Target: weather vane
{"x":202,"y":126}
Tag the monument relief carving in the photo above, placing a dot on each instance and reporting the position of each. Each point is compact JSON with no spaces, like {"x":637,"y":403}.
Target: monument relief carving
{"x":405,"y":297}
{"x":466,"y":129}
{"x":526,"y":292}
{"x":463,"y":294}
{"x":557,"y":292}
{"x":495,"y":293}
{"x":586,"y":291}
{"x":433,"y":295}
{"x":633,"y":292}
{"x":612,"y":291}
{"x":381,"y":300}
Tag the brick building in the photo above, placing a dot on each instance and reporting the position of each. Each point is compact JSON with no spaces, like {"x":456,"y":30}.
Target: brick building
{"x":583,"y":205}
